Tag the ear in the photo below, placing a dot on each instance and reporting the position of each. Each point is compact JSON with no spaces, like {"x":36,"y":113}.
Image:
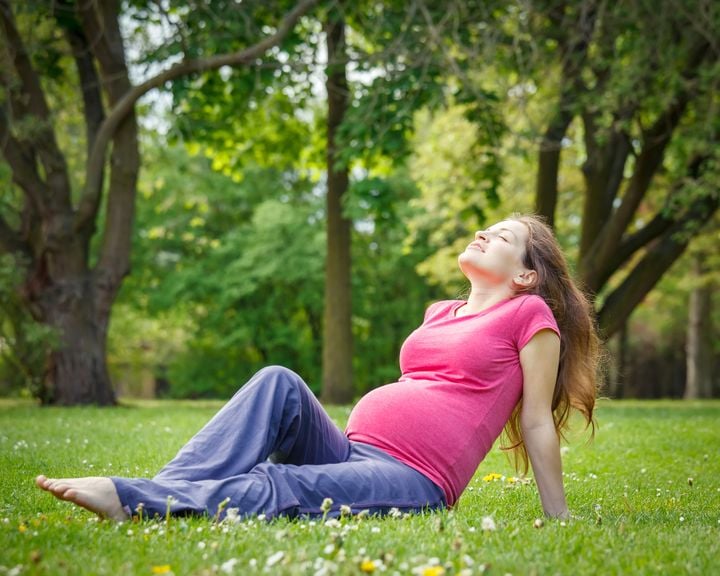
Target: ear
{"x":525,"y":279}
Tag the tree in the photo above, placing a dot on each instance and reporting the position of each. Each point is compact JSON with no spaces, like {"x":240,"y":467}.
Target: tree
{"x":699,"y":348}
{"x":65,"y":287}
{"x":337,"y":386}
{"x":640,"y":79}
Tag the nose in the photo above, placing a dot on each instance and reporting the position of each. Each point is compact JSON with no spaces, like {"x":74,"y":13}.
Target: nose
{"x":480,"y":235}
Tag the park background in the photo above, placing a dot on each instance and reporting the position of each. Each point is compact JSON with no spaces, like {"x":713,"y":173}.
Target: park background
{"x":191,"y":190}
{"x":194,"y":190}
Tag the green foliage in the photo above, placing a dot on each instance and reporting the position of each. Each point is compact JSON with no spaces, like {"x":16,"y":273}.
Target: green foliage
{"x":646,"y":488}
{"x":236,"y":268}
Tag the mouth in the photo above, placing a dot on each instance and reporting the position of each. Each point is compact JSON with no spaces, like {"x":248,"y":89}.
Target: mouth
{"x":476,"y":246}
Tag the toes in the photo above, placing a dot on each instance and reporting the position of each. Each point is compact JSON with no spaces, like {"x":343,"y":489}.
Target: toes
{"x":71,"y":494}
{"x":43,"y":482}
{"x":58,"y":488}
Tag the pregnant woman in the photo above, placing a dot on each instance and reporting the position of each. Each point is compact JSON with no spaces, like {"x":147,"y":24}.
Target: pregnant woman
{"x":518,"y":354}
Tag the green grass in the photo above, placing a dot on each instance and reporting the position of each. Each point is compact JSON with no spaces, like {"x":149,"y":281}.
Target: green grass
{"x":637,"y":510}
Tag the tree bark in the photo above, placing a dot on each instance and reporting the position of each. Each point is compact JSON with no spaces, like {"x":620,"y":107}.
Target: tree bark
{"x":699,"y":358}
{"x":337,"y":384}
{"x":77,"y":371}
{"x":622,"y":377}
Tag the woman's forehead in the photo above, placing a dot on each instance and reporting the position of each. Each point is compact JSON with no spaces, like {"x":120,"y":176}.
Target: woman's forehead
{"x":518,"y":228}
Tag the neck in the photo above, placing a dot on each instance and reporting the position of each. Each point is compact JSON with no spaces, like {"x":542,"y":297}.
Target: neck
{"x":482,"y":297}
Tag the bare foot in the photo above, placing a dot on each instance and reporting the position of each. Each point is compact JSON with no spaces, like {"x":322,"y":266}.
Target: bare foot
{"x":94,"y":493}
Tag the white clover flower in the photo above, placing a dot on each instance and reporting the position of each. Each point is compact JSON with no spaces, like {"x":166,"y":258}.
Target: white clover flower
{"x":395,"y":512}
{"x":274,"y":558}
{"x":326,"y":505}
{"x":229,"y":566}
{"x":232,"y":515}
{"x":488,"y":523}
{"x":333,"y":523}
{"x":345,"y":510}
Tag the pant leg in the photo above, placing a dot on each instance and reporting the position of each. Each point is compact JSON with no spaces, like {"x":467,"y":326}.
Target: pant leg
{"x":274,"y":413}
{"x":369,"y":479}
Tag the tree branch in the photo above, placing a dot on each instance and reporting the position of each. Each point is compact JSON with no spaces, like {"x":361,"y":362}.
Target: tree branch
{"x":660,"y":223}
{"x":574,"y":54}
{"x":603,"y":173}
{"x":89,"y":79}
{"x":657,"y":260}
{"x":101,"y":32}
{"x":93,"y":177}
{"x":22,"y":163}
{"x":44,"y":140}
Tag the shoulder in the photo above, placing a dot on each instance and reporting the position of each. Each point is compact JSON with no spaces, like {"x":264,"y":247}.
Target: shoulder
{"x":439,"y":307}
{"x":529,"y":305}
{"x":533,"y":314}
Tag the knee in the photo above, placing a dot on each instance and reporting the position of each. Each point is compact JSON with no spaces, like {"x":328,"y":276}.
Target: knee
{"x":280,"y":379}
{"x":277,"y":372}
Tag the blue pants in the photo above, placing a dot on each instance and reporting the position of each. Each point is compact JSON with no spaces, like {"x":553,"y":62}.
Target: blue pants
{"x":273,"y":449}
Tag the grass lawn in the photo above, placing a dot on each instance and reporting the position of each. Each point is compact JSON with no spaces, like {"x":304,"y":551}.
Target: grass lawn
{"x":646,"y":493}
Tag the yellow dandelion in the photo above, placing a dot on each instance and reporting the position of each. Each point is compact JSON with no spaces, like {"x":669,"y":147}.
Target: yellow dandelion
{"x":492,"y":476}
{"x":162,"y":569}
{"x":22,"y":528}
{"x":433,"y":571}
{"x":367,"y":566}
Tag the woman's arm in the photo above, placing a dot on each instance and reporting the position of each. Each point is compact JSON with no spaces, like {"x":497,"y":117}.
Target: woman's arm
{"x":539,"y":359}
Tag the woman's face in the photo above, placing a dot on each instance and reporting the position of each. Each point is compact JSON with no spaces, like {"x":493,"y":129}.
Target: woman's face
{"x":495,"y":255}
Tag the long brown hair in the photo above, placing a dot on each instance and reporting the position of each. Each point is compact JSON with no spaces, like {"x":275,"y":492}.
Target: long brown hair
{"x":580,"y":350}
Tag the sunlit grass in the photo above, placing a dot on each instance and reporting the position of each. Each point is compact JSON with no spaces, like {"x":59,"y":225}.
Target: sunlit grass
{"x":645,"y":492}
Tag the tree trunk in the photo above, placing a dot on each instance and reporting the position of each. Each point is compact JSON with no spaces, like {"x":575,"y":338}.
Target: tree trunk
{"x":337,"y":384}
{"x":546,"y":185}
{"x":62,"y":293}
{"x":622,"y":376}
{"x":699,"y":336}
{"x":77,"y":371}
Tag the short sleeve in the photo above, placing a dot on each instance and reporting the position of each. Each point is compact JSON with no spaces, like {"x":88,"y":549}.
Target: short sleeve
{"x":533,"y":315}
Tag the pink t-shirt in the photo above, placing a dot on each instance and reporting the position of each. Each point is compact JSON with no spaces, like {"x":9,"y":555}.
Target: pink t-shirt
{"x":461,"y":378}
